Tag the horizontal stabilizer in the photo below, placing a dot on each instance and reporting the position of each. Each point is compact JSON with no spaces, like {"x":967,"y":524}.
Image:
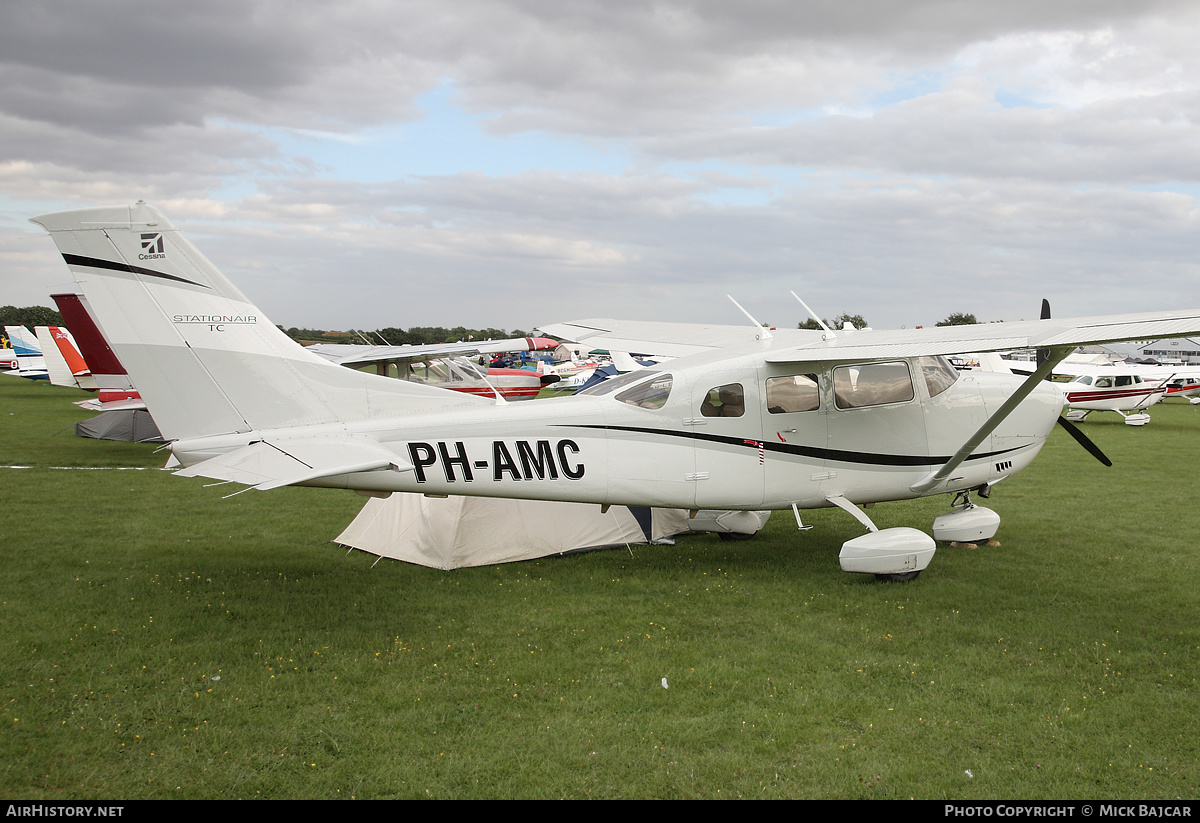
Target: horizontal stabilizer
{"x":128,"y":404}
{"x":269,"y":464}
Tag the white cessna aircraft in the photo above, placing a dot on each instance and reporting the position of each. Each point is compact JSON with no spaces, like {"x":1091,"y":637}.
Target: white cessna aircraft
{"x":1119,"y":388}
{"x":797,"y":421}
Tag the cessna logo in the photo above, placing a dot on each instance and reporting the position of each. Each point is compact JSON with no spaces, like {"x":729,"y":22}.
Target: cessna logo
{"x":152,"y":246}
{"x":519,"y":460}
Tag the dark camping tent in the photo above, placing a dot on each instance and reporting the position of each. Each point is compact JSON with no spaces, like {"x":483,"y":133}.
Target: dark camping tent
{"x":135,"y":425}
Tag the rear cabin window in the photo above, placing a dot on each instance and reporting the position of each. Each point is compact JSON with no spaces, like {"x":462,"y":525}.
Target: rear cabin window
{"x":872,"y":384}
{"x":795,"y":393}
{"x":724,"y":401}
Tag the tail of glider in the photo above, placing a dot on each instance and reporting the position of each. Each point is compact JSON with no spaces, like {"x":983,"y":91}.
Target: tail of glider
{"x":205,"y":359}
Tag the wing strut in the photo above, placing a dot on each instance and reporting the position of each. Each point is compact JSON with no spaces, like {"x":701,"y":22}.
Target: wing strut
{"x":763,"y":332}
{"x":1053,"y":357}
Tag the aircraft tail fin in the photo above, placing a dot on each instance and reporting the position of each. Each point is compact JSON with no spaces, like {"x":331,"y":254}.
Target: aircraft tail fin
{"x":65,"y":343}
{"x":112,"y":381}
{"x":64,"y":365}
{"x":23,"y":342}
{"x":204,"y":358}
{"x":27,"y":350}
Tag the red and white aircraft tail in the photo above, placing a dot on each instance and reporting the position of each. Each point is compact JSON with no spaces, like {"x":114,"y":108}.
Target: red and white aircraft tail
{"x":113,"y":387}
{"x":64,"y":364}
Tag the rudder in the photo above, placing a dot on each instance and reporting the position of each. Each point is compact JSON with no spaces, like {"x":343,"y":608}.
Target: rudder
{"x":204,"y":358}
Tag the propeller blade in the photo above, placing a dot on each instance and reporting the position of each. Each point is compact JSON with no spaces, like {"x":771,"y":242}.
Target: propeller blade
{"x":1042,"y":354}
{"x":1083,"y":440}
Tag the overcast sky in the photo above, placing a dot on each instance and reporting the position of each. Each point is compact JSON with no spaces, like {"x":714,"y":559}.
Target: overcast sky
{"x":510,"y":162}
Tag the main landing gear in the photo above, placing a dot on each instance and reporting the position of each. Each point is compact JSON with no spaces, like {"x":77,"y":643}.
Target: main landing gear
{"x":902,"y":553}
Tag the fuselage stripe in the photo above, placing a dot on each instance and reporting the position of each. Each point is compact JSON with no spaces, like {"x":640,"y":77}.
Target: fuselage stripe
{"x":838,"y":455}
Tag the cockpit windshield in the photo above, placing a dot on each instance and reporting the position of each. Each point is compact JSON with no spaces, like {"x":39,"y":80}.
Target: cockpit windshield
{"x":645,"y":389}
{"x":939,"y":373}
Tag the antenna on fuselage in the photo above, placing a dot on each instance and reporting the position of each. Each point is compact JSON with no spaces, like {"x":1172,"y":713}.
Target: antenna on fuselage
{"x":764,"y":332}
{"x":813,"y":315}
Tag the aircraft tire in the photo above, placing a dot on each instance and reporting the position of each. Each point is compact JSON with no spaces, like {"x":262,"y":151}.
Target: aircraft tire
{"x":735,"y":535}
{"x":897,"y":578}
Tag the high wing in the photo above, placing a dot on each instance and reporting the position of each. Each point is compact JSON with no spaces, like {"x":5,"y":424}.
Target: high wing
{"x":665,"y":339}
{"x":1028,"y":334}
{"x":801,"y":345}
{"x":354,"y":355}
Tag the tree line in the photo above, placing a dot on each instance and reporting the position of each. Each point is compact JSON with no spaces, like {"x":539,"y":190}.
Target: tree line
{"x":957,"y":318}
{"x":29,"y":316}
{"x":32,"y":316}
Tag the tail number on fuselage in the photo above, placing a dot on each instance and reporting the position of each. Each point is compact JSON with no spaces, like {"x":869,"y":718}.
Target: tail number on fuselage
{"x":516,"y":460}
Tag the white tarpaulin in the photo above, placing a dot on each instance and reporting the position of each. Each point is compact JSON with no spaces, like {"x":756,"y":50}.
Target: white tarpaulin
{"x":452,"y":532}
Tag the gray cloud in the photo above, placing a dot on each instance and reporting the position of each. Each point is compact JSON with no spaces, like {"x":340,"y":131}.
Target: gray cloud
{"x":896,"y":159}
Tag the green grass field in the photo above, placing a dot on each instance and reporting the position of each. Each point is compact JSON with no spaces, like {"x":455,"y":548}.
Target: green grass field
{"x":162,"y":642}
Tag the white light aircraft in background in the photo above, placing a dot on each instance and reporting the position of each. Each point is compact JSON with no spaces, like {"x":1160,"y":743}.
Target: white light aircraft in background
{"x":786,"y":421}
{"x":1128,"y":389}
{"x":1122,"y":389}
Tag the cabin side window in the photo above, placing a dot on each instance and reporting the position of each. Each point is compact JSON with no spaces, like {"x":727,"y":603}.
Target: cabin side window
{"x":872,"y":384}
{"x":939,"y":374}
{"x":724,"y":401}
{"x":794,"y":393}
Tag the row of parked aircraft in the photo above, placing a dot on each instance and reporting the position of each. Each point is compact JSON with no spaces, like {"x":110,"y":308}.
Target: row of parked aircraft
{"x":1128,"y":389}
{"x":745,"y":419}
{"x":52,"y":353}
{"x":448,"y":365}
